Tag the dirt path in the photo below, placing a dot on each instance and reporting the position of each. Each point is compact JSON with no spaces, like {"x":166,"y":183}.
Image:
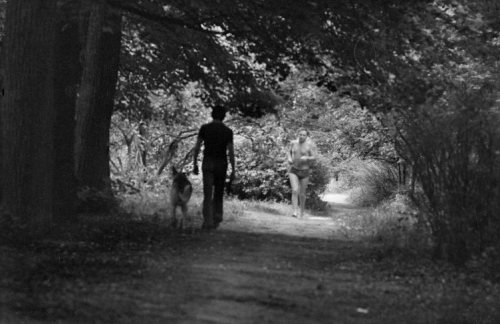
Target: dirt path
{"x":259,"y":268}
{"x":271,"y":268}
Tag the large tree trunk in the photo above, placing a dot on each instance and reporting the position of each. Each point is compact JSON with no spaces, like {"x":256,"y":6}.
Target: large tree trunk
{"x":96,"y":98}
{"x":68,"y":74}
{"x":3,"y":6}
{"x":28,"y":114}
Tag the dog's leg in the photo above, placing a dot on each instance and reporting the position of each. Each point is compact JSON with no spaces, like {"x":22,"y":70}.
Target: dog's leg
{"x":184,"y":214}
{"x":174,"y":217}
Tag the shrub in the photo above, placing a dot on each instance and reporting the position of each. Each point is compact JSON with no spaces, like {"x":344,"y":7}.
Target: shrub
{"x":372,"y":181}
{"x":454,"y":147}
{"x":267,"y":184}
{"x":396,"y":224}
{"x":320,"y":178}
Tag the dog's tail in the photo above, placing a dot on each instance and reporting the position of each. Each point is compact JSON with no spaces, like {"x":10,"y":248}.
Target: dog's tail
{"x":185,"y":194}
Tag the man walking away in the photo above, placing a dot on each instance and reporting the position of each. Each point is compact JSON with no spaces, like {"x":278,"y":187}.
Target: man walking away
{"x":217,"y":139}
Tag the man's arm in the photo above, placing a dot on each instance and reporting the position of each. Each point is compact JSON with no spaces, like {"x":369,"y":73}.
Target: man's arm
{"x":197,"y":147}
{"x":230,"y":149}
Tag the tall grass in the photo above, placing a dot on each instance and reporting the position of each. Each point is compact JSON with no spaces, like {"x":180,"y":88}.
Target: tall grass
{"x":156,"y":206}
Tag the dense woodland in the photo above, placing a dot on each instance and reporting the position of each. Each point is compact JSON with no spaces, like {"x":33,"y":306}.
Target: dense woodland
{"x":97,"y":94}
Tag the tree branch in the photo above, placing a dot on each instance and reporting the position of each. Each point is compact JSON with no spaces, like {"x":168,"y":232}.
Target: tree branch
{"x":172,"y":148}
{"x":158,"y":18}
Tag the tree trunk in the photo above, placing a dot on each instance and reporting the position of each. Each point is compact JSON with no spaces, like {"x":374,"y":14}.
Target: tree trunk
{"x":68,"y":74}
{"x":96,"y":98}
{"x":28,"y":114}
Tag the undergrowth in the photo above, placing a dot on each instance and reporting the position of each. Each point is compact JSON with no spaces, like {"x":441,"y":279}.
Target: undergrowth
{"x":395,"y":223}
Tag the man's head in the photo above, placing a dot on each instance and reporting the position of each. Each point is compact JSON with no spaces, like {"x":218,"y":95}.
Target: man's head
{"x":302,"y":134}
{"x":218,"y":112}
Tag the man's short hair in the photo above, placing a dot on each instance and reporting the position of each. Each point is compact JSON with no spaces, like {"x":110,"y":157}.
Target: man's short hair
{"x":218,"y":112}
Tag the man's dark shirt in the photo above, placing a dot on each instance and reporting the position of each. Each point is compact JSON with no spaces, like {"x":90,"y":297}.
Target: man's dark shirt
{"x":216,"y":136}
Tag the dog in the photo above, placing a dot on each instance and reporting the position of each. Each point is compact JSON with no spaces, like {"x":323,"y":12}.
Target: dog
{"x":180,"y":193}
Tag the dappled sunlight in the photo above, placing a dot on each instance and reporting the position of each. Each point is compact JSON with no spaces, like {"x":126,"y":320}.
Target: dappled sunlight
{"x":336,"y":198}
{"x":256,"y":219}
{"x":309,"y":226}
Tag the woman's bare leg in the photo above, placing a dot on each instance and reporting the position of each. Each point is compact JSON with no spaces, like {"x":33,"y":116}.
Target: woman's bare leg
{"x":302,"y":194}
{"x":294,"y":182}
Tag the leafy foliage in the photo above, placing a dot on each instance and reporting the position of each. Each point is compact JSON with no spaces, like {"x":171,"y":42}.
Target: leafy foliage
{"x":342,"y":128}
{"x":454,"y":149}
{"x":169,"y":139}
{"x":373,"y":181}
{"x":263,"y":185}
{"x":447,"y":130}
{"x":241,"y":50}
{"x":262,"y":173}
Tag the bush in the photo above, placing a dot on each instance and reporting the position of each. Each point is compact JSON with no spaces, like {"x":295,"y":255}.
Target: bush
{"x":320,"y":178}
{"x":453,"y":147}
{"x":396,"y":224}
{"x":267,"y":184}
{"x":372,"y":182}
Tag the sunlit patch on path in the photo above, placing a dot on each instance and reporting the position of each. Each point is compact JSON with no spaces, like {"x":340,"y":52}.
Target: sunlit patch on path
{"x":336,"y":198}
{"x":309,"y":226}
{"x":312,"y":226}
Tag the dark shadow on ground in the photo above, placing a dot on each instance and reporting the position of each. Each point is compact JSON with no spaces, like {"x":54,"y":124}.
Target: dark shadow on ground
{"x":52,"y":279}
{"x":124,"y":270}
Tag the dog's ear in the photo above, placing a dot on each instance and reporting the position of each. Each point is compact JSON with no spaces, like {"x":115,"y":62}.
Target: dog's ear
{"x":174,"y":171}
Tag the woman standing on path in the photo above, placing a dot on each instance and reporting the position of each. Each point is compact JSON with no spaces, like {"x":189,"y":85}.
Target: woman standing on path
{"x":302,"y":152}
